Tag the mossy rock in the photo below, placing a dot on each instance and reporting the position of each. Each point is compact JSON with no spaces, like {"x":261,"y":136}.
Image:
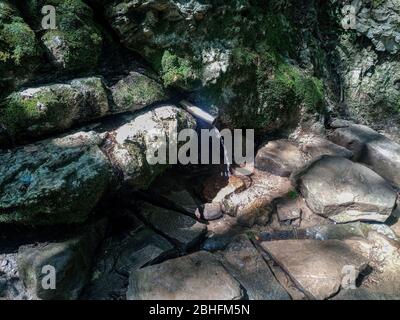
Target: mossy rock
{"x":75,"y":45}
{"x":136,"y":91}
{"x":34,"y":112}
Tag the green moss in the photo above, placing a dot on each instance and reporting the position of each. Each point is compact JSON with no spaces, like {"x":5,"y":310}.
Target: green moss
{"x":44,"y":111}
{"x":178,"y":72}
{"x":137,"y":91}
{"x":19,"y":51}
{"x":81,"y":38}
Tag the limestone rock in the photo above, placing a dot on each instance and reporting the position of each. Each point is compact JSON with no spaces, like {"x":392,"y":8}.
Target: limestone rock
{"x":345,"y":191}
{"x":198,"y":276}
{"x":315,"y":266}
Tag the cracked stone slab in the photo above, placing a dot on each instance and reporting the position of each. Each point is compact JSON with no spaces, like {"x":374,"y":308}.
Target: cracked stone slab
{"x":198,"y":276}
{"x":246,"y":264}
{"x":315,"y":266}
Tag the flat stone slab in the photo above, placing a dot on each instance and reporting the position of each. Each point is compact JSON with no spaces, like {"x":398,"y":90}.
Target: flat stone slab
{"x":246,"y":264}
{"x":280,"y":157}
{"x":345,"y":191}
{"x":371,"y":148}
{"x":198,"y":276}
{"x":315,"y":266}
{"x":184,"y":229}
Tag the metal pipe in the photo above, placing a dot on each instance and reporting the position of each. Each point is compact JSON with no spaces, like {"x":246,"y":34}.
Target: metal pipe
{"x":198,"y":113}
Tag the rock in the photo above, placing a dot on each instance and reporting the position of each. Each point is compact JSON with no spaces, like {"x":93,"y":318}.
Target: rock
{"x":34,"y":112}
{"x":134,"y":145}
{"x":315,"y":266}
{"x":184,"y":200}
{"x":71,"y":260}
{"x":345,"y":191}
{"x":136,"y":91}
{"x":121,"y":254}
{"x":379,"y":23}
{"x":186,"y":230}
{"x":198,"y":276}
{"x":247,"y":266}
{"x":212,"y":211}
{"x":317,"y":147}
{"x":255,"y":204}
{"x":53,"y":181}
{"x":279,"y":157}
{"x":288,"y":210}
{"x":187,"y":43}
{"x":371,"y":148}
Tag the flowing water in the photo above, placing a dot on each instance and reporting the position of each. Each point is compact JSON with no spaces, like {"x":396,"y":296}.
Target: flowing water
{"x":226,"y":156}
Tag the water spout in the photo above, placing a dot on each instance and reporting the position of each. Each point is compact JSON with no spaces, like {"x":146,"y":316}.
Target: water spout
{"x":210,"y":120}
{"x":198,"y":113}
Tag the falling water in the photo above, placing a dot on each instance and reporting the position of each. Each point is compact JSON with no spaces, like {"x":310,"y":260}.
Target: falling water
{"x":226,"y":156}
{"x":210,"y":120}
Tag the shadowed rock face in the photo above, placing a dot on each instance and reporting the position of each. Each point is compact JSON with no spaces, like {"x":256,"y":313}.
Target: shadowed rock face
{"x":198,"y":276}
{"x":346,"y":191}
{"x":55,"y":181}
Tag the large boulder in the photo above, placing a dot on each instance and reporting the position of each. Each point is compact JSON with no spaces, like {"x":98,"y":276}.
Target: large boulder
{"x":198,"y":276}
{"x":371,"y":148}
{"x":317,"y":267}
{"x":53,"y":181}
{"x":345,"y":191}
{"x":70,"y":260}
